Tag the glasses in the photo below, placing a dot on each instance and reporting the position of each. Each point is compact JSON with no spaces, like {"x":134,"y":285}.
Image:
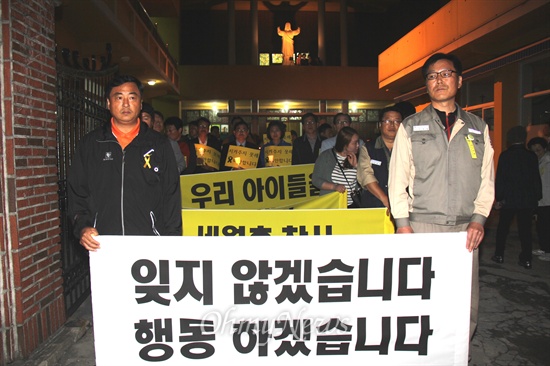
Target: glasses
{"x":241,"y":130}
{"x":392,"y":122}
{"x":309,"y":122}
{"x":343,"y":123}
{"x":445,"y":74}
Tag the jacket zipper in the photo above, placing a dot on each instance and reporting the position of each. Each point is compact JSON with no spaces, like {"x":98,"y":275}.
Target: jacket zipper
{"x":122,"y":194}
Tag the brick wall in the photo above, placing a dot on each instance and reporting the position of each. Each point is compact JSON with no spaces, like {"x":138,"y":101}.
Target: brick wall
{"x":31,"y":293}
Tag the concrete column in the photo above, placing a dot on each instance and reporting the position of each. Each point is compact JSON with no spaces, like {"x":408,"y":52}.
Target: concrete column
{"x":321,"y":30}
{"x":343,"y":33}
{"x":322,"y":106}
{"x":231,"y":32}
{"x":345,"y":106}
{"x":254,"y":49}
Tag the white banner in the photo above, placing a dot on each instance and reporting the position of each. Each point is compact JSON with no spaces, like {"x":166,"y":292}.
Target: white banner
{"x":298,"y":300}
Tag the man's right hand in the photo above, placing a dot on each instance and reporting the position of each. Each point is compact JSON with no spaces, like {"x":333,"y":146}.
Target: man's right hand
{"x":87,"y":239}
{"x":405,"y":230}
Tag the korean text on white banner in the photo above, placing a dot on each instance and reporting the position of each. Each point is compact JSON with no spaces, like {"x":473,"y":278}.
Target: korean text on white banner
{"x":306,"y":300}
{"x":249,"y":189}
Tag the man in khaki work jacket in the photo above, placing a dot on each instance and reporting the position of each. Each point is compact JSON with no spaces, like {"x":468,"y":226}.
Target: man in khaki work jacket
{"x":441,"y":170}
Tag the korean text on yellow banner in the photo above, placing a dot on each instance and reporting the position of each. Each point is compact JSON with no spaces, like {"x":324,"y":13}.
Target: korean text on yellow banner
{"x":249,"y":189}
{"x":207,"y":155}
{"x":286,"y":222}
{"x":240,"y":157}
{"x":278,"y":155}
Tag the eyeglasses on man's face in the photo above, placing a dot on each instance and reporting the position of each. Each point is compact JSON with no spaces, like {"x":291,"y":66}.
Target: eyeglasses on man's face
{"x":344,"y":122}
{"x":241,"y":130}
{"x":309,"y":122}
{"x":445,"y":74}
{"x":388,"y":122}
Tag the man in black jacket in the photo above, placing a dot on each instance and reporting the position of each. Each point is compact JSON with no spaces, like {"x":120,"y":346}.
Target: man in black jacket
{"x":123,"y":179}
{"x":518,"y":189}
{"x":305,"y":149}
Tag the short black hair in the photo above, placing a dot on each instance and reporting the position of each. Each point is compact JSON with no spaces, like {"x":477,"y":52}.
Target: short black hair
{"x":391,"y":108}
{"x":538,"y":141}
{"x":160,"y":114}
{"x":276,"y":123}
{"x":516,"y":135}
{"x":148,"y":108}
{"x":405,"y":108}
{"x":340,"y":114}
{"x":203,"y":119}
{"x":457,"y":65}
{"x":240,"y":123}
{"x":309,"y":114}
{"x":123,"y":79}
{"x":322,"y":128}
{"x":174,"y":121}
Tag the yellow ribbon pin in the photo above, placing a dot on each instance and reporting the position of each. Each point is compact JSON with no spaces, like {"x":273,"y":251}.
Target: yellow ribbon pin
{"x":147,"y":158}
{"x":469,"y":139}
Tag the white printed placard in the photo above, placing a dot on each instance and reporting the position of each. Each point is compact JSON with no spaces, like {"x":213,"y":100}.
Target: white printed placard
{"x":298,"y":300}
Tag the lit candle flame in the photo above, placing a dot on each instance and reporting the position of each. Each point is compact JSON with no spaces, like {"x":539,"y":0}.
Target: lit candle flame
{"x":237,"y":160}
{"x":270,"y":158}
{"x":201,"y":151}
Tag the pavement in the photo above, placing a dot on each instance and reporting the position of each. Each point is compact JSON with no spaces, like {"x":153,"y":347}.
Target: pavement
{"x":513,"y":327}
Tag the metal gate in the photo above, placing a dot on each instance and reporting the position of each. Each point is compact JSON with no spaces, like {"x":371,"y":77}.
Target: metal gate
{"x":81,"y":107}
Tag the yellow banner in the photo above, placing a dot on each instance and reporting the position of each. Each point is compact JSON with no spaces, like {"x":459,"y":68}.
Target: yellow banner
{"x":328,"y":201}
{"x":249,"y":189}
{"x":240,"y":157}
{"x":286,"y":222}
{"x":207,"y":155}
{"x":278,"y":156}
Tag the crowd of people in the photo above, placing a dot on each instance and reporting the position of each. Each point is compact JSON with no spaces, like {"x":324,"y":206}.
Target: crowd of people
{"x":433,"y":170}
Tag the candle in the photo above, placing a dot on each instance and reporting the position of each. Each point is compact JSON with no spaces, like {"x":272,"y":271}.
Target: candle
{"x":201,"y":151}
{"x":237,"y":160}
{"x":270,"y":159}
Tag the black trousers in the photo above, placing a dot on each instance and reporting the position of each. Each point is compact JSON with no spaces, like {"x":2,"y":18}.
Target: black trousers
{"x":523,"y":217}
{"x":543,"y":227}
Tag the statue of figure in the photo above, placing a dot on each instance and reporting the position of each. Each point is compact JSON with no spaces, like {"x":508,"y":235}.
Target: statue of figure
{"x":288,"y":42}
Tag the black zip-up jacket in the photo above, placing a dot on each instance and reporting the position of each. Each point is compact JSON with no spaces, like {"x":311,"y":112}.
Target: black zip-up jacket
{"x":518,"y":183}
{"x":135,"y":191}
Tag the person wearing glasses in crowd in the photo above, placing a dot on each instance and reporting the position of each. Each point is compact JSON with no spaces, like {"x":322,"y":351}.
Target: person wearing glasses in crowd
{"x":340,"y":120}
{"x":204,"y":138}
{"x":441,"y":168}
{"x":305,"y":149}
{"x":240,"y":131}
{"x":375,"y":156}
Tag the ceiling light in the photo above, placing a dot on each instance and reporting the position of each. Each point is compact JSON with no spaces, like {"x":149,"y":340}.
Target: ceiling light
{"x":152,"y":82}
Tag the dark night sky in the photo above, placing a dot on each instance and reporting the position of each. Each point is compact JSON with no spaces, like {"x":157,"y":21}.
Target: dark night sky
{"x":368,"y":33}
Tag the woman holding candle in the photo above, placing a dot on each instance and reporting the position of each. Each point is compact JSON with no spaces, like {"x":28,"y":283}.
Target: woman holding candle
{"x":275,"y":131}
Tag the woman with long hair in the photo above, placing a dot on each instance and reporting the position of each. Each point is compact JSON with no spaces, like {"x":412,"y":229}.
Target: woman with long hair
{"x":336,"y":169}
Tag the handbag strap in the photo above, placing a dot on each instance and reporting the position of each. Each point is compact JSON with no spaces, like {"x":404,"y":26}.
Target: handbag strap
{"x":342,"y":170}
